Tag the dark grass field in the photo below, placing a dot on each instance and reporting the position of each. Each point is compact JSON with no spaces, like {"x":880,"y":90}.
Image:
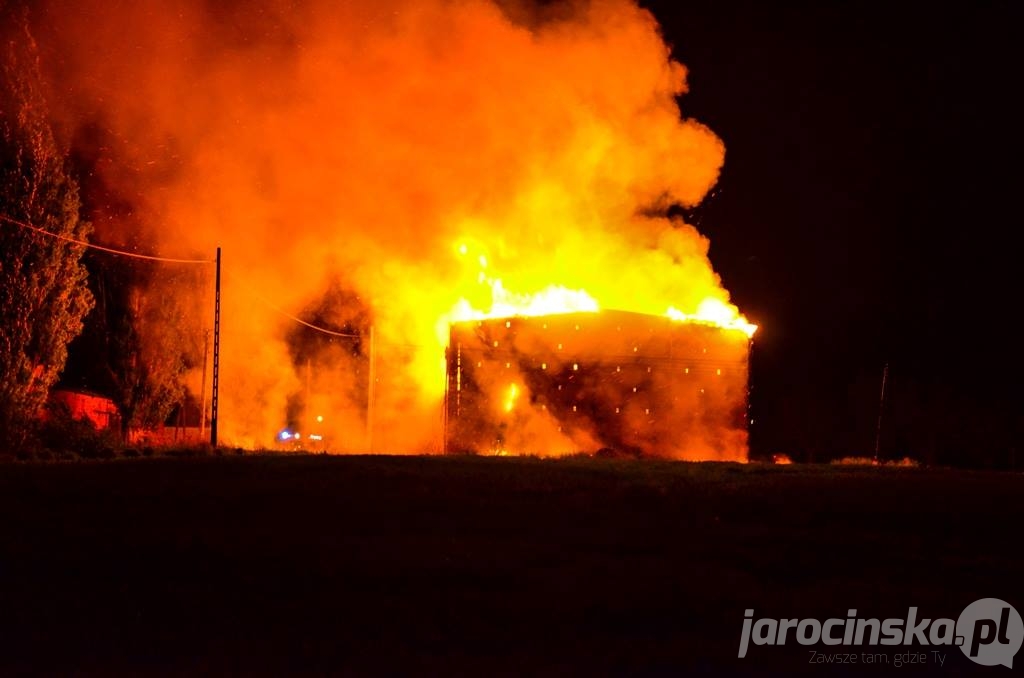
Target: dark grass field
{"x":478,"y":566}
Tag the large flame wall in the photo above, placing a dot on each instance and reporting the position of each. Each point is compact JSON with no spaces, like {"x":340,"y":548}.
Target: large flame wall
{"x":400,"y":164}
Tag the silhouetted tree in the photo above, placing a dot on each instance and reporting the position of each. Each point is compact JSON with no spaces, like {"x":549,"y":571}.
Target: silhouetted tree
{"x":43,"y":292}
{"x":152,"y":346}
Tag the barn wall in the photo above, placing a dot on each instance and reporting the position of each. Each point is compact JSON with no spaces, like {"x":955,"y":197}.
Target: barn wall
{"x":637,"y":384}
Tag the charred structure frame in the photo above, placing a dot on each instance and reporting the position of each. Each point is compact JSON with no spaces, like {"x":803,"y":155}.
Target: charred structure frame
{"x":637,"y":384}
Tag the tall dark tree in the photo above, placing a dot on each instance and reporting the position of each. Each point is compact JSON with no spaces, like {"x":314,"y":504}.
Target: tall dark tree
{"x":151,"y":345}
{"x":141,"y":339}
{"x":43,"y":291}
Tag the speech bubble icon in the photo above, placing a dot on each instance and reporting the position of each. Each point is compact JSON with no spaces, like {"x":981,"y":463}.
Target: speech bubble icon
{"x":992,"y":632}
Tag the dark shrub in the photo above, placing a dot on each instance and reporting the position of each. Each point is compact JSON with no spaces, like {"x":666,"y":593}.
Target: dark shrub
{"x":60,"y":434}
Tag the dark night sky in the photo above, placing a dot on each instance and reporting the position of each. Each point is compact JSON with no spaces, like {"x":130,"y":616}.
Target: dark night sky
{"x":866,"y":214}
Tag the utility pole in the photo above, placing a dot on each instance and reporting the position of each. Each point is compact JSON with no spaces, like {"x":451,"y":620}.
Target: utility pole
{"x":881,"y":407}
{"x":215,"y":391}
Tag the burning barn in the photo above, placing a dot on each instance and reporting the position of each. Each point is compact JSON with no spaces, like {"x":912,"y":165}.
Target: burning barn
{"x":580,"y":382}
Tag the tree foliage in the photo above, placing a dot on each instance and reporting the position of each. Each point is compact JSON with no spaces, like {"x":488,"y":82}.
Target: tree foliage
{"x":148,"y":339}
{"x":43,"y":290}
{"x":142,"y":339}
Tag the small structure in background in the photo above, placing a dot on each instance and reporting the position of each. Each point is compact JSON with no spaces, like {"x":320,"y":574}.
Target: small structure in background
{"x":98,"y":410}
{"x":183,"y":426}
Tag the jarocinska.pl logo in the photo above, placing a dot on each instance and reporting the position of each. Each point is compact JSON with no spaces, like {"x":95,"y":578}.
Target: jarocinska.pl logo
{"x":989,"y":631}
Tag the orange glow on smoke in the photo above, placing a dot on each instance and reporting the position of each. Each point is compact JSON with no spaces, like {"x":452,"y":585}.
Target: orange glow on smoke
{"x":437,"y":161}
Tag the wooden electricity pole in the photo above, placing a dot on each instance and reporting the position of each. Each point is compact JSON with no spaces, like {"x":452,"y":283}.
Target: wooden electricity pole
{"x":881,"y":408}
{"x":215,"y":391}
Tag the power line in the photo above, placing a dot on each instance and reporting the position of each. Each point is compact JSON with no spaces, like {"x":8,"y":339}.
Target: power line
{"x":111,"y":250}
{"x":172,"y":260}
{"x":315,"y":327}
{"x":324,"y":330}
{"x":288,"y":315}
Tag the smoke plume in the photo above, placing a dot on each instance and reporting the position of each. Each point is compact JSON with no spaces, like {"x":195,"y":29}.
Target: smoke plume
{"x":372,"y":164}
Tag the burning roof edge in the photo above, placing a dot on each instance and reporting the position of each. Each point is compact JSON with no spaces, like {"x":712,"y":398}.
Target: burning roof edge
{"x":631,"y":318}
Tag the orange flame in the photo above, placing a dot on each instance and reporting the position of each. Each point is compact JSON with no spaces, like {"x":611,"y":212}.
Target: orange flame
{"x":715,"y":312}
{"x":511,"y":397}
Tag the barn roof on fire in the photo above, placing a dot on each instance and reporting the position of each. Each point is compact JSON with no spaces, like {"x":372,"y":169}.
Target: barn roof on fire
{"x":606,"y":333}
